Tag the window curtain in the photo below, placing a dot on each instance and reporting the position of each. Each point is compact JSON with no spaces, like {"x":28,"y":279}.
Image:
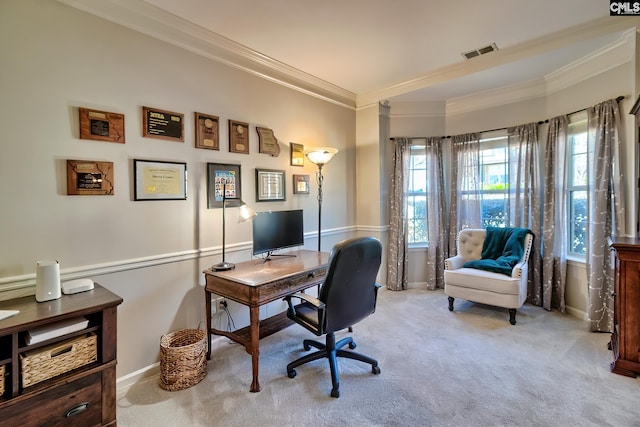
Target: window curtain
{"x":397,"y":277}
{"x":438,"y":248}
{"x":606,"y":211}
{"x":550,"y":293}
{"x":524,"y":192}
{"x":465,"y":209}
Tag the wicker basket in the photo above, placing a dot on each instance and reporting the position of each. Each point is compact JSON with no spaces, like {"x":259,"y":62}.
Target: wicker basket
{"x":56,"y":359}
{"x":2,"y":371}
{"x":183,"y":359}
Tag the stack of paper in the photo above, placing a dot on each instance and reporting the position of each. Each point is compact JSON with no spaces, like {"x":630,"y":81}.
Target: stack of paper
{"x":57,"y":329}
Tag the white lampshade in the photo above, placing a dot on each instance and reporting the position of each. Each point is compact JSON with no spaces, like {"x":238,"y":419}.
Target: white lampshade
{"x":320,"y":155}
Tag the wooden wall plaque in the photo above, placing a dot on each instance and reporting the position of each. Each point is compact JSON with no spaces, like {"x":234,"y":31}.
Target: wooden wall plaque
{"x":207,"y":131}
{"x":162,"y":124}
{"x":101,"y":125}
{"x":238,"y":137}
{"x":89,"y":178}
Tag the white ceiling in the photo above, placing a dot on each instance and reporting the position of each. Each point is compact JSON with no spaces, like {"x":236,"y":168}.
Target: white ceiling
{"x":372,"y":50}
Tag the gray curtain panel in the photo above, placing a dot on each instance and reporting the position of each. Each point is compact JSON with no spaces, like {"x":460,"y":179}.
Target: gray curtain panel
{"x":438,"y":248}
{"x":465,"y":209}
{"x":550,"y":293}
{"x":398,"y":247}
{"x":524,"y":191}
{"x":606,"y":212}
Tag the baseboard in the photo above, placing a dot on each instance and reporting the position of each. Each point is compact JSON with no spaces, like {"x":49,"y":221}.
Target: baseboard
{"x":582,"y":315}
{"x":125,"y":382}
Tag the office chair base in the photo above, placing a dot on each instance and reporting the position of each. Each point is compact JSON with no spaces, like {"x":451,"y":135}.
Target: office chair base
{"x":332,"y":350}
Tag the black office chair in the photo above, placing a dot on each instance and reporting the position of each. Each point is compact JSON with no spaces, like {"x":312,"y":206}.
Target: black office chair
{"x":347,"y":295}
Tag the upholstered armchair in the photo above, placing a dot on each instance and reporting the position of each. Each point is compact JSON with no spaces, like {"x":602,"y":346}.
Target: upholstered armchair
{"x":493,"y":280}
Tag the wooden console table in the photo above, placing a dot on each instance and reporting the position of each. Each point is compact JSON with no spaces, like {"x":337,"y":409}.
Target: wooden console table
{"x":85,"y":396}
{"x":625,"y":340}
{"x":255,"y":283}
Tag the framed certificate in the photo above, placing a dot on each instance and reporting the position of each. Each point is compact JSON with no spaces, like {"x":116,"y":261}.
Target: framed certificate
{"x":270,"y":185}
{"x":159,"y":180}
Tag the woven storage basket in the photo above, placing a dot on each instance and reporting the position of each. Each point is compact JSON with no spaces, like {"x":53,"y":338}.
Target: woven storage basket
{"x":2,"y":371}
{"x":55,"y":359}
{"x":183,"y":359}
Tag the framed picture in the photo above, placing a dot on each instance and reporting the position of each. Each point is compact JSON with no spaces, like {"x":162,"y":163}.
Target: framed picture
{"x":297,"y":154}
{"x":89,"y":178}
{"x":101,"y":125}
{"x":238,"y":137}
{"x":270,"y":185}
{"x":162,"y":124}
{"x":207,"y":131}
{"x":159,"y":180}
{"x":223,"y":179}
{"x":300,"y":184}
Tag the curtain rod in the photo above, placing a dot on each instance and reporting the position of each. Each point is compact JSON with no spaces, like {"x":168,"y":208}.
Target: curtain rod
{"x":618,"y":99}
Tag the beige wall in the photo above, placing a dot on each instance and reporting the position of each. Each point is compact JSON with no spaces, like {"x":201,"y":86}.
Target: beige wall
{"x":55,"y":59}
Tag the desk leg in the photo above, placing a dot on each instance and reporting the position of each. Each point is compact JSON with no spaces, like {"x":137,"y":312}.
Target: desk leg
{"x":254,"y":319}
{"x":207,"y":304}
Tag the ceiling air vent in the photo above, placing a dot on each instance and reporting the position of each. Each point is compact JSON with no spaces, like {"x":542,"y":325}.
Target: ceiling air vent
{"x":481,"y":51}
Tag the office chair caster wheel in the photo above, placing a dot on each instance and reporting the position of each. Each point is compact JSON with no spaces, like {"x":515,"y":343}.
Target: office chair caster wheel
{"x":292,"y":373}
{"x":375,"y":370}
{"x":352,"y":345}
{"x":335,"y":392}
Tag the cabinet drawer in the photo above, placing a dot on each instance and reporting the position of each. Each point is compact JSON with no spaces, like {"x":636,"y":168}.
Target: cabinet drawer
{"x":78,"y":403}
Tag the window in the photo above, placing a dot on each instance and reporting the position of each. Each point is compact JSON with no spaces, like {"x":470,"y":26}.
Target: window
{"x":417,"y":197}
{"x":577,"y":182}
{"x":493,"y":188}
{"x":494,"y":182}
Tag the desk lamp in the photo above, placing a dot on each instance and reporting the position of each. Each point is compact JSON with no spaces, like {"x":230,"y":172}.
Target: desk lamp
{"x":244,"y":215}
{"x":320,"y":156}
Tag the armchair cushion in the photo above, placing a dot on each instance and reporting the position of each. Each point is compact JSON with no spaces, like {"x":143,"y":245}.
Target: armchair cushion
{"x":502,"y":249}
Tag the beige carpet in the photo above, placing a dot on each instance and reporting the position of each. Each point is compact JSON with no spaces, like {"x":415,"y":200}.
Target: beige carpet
{"x":466,"y":368}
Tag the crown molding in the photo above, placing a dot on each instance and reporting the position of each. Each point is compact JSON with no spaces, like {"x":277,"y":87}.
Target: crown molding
{"x":518,"y":92}
{"x":618,"y":53}
{"x":159,"y":24}
{"x":598,"y":62}
{"x":605,"y":25}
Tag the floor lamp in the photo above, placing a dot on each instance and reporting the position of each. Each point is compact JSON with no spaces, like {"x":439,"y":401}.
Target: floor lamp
{"x":320,"y":156}
{"x":245,"y":214}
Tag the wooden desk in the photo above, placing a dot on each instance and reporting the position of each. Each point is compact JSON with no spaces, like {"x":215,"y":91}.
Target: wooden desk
{"x":255,"y":283}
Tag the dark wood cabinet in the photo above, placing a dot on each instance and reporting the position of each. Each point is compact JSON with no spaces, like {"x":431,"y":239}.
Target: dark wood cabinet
{"x":84,"y":396}
{"x":625,"y":340}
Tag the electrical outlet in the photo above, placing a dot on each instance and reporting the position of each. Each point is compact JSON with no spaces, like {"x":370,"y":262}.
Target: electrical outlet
{"x":217,"y":305}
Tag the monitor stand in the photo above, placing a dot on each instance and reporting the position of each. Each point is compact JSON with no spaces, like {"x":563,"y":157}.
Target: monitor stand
{"x":271,"y":254}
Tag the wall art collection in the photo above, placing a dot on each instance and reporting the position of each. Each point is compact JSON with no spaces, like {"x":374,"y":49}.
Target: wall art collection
{"x":167,"y":180}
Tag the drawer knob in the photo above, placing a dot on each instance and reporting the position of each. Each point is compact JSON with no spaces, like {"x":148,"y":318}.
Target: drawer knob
{"x":81,"y":407}
{"x":312,"y":274}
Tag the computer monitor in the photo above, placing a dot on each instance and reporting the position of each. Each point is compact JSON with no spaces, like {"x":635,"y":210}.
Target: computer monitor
{"x":275,"y":230}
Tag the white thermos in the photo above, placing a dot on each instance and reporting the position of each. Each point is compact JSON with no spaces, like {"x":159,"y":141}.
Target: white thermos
{"x":47,"y":280}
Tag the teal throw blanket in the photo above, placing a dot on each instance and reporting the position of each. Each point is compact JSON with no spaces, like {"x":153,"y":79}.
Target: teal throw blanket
{"x":502,"y":249}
